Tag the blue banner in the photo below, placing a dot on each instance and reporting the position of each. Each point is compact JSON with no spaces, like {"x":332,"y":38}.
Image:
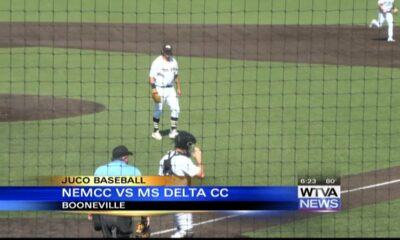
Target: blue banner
{"x":166,"y":198}
{"x":159,"y":194}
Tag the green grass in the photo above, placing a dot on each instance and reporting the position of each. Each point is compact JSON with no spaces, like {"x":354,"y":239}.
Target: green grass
{"x":380,"y":220}
{"x":258,"y":123}
{"x":357,"y":12}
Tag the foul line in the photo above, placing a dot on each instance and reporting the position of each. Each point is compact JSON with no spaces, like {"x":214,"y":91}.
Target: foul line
{"x":235,"y":215}
{"x":197,"y":224}
{"x":371,"y":186}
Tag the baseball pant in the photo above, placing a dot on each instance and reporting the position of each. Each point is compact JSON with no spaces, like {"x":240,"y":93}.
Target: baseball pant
{"x":168,"y":95}
{"x":116,"y":226}
{"x":382,"y":17}
{"x":184,"y":221}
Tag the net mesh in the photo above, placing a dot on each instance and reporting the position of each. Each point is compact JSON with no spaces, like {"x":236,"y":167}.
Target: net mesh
{"x":272,"y":89}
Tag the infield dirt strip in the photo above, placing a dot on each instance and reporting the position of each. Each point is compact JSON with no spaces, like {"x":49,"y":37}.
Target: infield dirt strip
{"x":337,"y":45}
{"x":329,"y":44}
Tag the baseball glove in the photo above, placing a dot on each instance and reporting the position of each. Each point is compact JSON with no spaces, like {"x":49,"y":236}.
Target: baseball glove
{"x":142,"y":230}
{"x":395,"y":10}
{"x":156,"y":97}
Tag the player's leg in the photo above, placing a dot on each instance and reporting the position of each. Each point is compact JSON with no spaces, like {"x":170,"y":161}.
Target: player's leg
{"x":184,"y":222}
{"x":377,"y":23}
{"x":125,"y":227}
{"x":173,"y":103}
{"x":156,"y":120}
{"x":106,"y":226}
{"x":173,"y":131}
{"x":389,"y":19}
{"x":374,"y":24}
{"x":381,"y":19}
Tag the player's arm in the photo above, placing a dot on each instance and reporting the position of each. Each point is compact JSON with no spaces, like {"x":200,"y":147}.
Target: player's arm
{"x":177,"y":80}
{"x":152,"y":82}
{"x":178,"y":85}
{"x":380,"y":6}
{"x":152,"y":79}
{"x":198,"y":157}
{"x":161,"y":168}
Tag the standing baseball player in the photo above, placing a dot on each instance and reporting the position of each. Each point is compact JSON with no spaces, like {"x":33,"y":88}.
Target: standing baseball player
{"x":386,"y":9}
{"x":163,"y":75}
{"x":179,"y":163}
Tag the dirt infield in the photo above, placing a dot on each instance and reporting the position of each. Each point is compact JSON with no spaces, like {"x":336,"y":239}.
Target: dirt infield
{"x":18,"y":107}
{"x":338,"y":45}
{"x":333,"y":44}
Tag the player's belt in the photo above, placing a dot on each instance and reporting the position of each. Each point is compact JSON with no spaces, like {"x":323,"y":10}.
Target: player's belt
{"x":167,"y":86}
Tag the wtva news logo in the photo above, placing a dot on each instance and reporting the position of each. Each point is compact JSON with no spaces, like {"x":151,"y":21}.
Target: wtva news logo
{"x":319,"y":198}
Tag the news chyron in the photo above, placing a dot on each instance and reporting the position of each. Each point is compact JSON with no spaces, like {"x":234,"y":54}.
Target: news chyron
{"x":319,"y":194}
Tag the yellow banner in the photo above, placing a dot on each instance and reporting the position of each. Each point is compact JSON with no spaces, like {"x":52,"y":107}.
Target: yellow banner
{"x":74,"y":181}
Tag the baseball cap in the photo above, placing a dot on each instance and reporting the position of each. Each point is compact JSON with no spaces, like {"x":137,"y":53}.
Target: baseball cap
{"x":120,"y":151}
{"x":167,"y":48}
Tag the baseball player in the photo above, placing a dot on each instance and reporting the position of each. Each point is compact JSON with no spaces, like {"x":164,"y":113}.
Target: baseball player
{"x":385,"y":8}
{"x":119,"y":226}
{"x":163,"y":75}
{"x":179,"y":163}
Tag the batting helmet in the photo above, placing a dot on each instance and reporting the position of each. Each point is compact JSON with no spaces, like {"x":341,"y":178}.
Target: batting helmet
{"x":184,"y":140}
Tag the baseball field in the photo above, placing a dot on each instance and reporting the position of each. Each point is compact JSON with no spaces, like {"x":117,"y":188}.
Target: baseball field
{"x":272,"y":89}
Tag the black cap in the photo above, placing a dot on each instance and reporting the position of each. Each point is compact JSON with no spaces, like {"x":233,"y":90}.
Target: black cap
{"x":184,"y":140}
{"x":120,"y":151}
{"x":167,"y":49}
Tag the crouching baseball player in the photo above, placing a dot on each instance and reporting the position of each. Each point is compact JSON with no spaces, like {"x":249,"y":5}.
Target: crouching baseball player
{"x":179,"y":163}
{"x":163,"y":75}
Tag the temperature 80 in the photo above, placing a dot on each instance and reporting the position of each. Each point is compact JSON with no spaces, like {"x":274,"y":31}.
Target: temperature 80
{"x":330,"y":181}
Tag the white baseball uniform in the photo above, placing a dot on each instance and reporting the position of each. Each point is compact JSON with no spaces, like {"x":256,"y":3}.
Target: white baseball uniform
{"x":181,"y":166}
{"x":385,"y":14}
{"x":164,"y":72}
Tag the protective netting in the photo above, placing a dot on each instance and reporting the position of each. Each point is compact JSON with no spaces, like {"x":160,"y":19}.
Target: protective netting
{"x":272,"y":90}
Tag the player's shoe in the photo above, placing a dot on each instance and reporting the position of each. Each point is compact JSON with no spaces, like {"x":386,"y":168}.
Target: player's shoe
{"x":156,"y":135}
{"x":182,"y":234}
{"x":373,"y":24}
{"x":391,"y":40}
{"x":173,"y":133}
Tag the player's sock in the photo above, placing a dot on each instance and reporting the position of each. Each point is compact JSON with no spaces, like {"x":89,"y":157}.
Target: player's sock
{"x":156,"y":123}
{"x":174,"y":122}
